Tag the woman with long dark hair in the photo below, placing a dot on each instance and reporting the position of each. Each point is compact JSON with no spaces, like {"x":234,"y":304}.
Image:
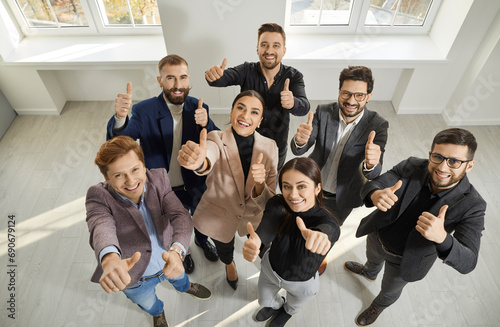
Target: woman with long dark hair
{"x":301,"y":232}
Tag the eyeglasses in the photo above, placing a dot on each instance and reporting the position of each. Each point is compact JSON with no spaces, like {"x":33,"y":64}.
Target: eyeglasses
{"x":359,"y":97}
{"x":451,"y":162}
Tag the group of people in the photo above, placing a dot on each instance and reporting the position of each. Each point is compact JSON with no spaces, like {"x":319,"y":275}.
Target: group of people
{"x":187,"y":175}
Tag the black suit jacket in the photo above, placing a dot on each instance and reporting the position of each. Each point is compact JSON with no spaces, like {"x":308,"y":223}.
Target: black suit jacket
{"x":464,"y":218}
{"x":350,"y":176}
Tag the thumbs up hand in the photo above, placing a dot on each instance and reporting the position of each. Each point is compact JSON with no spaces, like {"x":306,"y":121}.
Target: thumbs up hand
{"x":192,"y":155}
{"x":251,"y":247}
{"x":115,"y":276}
{"x":259,"y":174}
{"x":123,"y":102}
{"x":304,"y":131}
{"x":201,"y":115}
{"x":385,"y":199}
{"x":372,"y":152}
{"x":432,"y":227}
{"x":287,"y":100}
{"x":216,"y":72}
{"x":316,"y":242}
{"x":173,"y":267}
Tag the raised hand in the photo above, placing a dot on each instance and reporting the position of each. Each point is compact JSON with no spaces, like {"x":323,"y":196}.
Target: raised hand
{"x":251,"y":247}
{"x":304,"y":130}
{"x":192,"y":155}
{"x":201,"y":115}
{"x":287,"y":100}
{"x":372,"y":152}
{"x":216,"y":72}
{"x":385,"y":199}
{"x":173,"y":267}
{"x":316,"y":242}
{"x":123,"y":102}
{"x":115,"y":276}
{"x":259,"y":174}
{"x":432,"y":227}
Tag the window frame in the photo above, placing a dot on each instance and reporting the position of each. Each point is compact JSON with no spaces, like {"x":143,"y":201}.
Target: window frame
{"x":94,"y":19}
{"x":357,"y":25}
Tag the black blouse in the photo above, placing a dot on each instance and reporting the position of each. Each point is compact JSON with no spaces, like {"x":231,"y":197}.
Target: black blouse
{"x":245,"y":149}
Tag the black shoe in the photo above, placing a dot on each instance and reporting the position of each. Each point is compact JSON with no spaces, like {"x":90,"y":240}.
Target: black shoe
{"x":159,"y":320}
{"x":265,"y":314}
{"x":232,"y":283}
{"x":208,"y":249}
{"x":368,"y":316}
{"x":280,"y":319}
{"x":357,"y":268}
{"x":188,"y":264}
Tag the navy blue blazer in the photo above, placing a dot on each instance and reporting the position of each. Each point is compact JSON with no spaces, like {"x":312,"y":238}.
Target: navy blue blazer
{"x":152,"y":124}
{"x":464,"y":218}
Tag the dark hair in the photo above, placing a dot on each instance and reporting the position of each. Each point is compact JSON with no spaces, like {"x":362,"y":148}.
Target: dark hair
{"x":357,"y":73}
{"x":116,"y":148}
{"x":250,"y":93}
{"x":173,"y":60}
{"x":458,"y":136}
{"x":310,"y":168}
{"x":273,"y":28}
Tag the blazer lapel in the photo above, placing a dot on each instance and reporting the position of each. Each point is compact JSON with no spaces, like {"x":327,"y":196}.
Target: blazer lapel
{"x":455,"y":196}
{"x":331,"y":130}
{"x":233,"y":160}
{"x":413,"y":188}
{"x":355,"y":137}
{"x":166,"y":125}
{"x":153,"y":203}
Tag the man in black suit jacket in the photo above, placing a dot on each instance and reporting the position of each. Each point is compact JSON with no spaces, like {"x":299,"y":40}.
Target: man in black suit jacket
{"x":348,"y":139}
{"x":420,"y":203}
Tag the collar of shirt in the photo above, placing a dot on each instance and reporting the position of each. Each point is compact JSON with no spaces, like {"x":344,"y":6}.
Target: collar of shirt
{"x":174,"y":109}
{"x":354,"y":123}
{"x":141,"y":202}
{"x":278,"y":74}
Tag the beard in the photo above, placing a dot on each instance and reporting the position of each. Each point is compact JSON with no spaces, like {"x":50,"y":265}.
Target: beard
{"x":346,"y":114}
{"x":177,"y":100}
{"x":443,"y":185}
{"x":269,"y":65}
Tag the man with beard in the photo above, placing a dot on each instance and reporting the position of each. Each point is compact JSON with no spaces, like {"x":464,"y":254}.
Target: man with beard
{"x":420,"y":203}
{"x":348,"y":139}
{"x":163,"y":124}
{"x":282,"y":87}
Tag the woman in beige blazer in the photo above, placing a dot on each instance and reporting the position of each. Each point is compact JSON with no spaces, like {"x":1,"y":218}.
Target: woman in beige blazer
{"x":240,"y":165}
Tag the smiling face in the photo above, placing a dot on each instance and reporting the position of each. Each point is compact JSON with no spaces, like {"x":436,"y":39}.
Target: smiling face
{"x":351,"y":109}
{"x":174,"y":80}
{"x":442,"y":177}
{"x":127,"y":176}
{"x":299,"y":190}
{"x":271,"y":49}
{"x":246,"y":115}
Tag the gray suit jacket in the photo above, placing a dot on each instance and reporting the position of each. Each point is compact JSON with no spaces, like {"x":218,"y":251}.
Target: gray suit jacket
{"x":114,"y":221}
{"x":465,"y":216}
{"x":350,"y":177}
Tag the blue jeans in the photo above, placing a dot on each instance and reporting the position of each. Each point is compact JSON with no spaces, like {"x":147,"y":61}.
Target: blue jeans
{"x":144,"y":292}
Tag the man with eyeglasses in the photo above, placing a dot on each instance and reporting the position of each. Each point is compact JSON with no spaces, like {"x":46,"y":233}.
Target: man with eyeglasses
{"x":348,"y":139}
{"x":420,"y":203}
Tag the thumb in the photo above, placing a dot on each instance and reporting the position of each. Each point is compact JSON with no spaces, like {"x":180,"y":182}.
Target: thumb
{"x":300,"y":224}
{"x":442,"y":211}
{"x":251,"y":231}
{"x":259,"y":158}
{"x":287,"y":85}
{"x":371,"y":137}
{"x":310,"y":118}
{"x":203,"y":138}
{"x":132,"y":261}
{"x":165,"y":256}
{"x":200,"y":103}
{"x":224,"y":63}
{"x":397,"y":186}
{"x":129,"y":88}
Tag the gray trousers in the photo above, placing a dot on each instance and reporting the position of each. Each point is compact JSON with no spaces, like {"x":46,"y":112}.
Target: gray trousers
{"x":392,"y":283}
{"x":298,"y":293}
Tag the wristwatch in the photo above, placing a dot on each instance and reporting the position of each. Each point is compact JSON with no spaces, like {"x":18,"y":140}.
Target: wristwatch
{"x":179,"y":252}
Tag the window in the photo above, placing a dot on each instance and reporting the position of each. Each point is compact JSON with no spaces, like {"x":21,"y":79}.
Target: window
{"x":355,"y":16}
{"x":70,"y":17}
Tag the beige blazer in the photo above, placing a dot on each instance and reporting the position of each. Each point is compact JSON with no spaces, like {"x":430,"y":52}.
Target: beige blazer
{"x":229,"y":203}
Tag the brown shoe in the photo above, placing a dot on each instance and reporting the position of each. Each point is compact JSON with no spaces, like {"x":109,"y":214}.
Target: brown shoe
{"x":368,"y":316}
{"x":159,"y":320}
{"x":199,"y":291}
{"x":357,"y":268}
{"x":322,"y":268}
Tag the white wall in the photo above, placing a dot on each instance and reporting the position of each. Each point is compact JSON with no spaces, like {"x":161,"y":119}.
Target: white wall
{"x":7,"y":113}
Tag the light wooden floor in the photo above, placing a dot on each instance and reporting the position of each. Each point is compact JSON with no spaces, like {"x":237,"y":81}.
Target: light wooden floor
{"x":46,"y":167}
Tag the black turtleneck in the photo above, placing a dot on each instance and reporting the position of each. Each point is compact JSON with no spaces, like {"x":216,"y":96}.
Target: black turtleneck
{"x":245,"y":149}
{"x":288,"y":255}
